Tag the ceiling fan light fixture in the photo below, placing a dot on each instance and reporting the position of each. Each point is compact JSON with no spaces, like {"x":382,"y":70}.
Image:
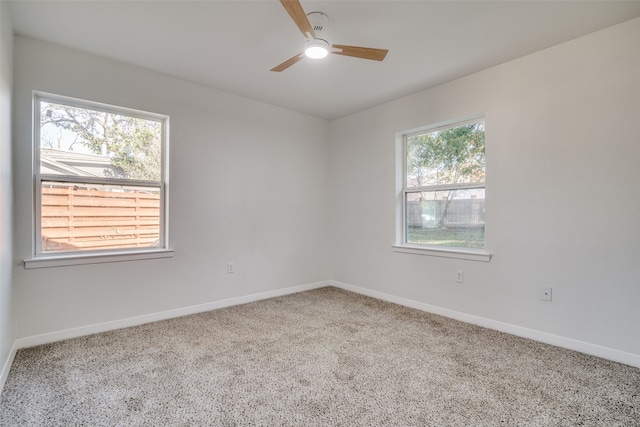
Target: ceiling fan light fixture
{"x":316,"y":49}
{"x":314,"y":26}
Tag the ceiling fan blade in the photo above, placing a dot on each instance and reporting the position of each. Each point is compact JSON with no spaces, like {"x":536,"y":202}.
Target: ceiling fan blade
{"x":299,"y":17}
{"x":288,"y":63}
{"x":361,"y":52}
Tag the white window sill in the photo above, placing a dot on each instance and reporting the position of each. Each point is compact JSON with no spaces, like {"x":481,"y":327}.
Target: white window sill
{"x":466,"y":254}
{"x":95,"y":258}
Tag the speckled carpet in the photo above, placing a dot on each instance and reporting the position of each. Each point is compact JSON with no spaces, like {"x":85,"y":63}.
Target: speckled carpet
{"x":325,"y":357}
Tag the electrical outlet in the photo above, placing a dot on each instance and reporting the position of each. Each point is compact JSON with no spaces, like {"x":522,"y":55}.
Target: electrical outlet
{"x":459,"y":276}
{"x":545,"y":293}
{"x":230,"y":267}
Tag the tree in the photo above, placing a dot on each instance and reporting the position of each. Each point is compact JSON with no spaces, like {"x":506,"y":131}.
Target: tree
{"x":133,"y":145}
{"x":446,"y":157}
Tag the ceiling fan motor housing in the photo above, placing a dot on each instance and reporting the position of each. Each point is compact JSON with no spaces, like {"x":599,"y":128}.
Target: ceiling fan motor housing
{"x":319,"y":22}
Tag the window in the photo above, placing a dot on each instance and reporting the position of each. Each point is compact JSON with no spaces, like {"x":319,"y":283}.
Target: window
{"x":443,"y":187}
{"x":100,"y":179}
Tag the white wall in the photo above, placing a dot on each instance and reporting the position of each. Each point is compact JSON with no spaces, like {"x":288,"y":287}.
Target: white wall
{"x":563,"y":194}
{"x":248,"y":184}
{"x":7,"y":324}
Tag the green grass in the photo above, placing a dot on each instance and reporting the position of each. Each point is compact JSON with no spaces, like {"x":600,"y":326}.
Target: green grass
{"x":452,"y":237}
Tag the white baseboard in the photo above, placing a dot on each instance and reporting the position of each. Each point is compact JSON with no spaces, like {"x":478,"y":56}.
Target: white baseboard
{"x":7,"y":365}
{"x":154,"y":317}
{"x":556,"y":340}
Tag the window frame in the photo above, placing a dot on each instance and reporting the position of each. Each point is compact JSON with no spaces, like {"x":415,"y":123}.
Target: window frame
{"x":401,"y":245}
{"x":71,"y":257}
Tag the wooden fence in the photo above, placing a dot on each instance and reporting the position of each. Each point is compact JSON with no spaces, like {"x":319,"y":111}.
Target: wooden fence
{"x":86,"y":219}
{"x":460,"y":213}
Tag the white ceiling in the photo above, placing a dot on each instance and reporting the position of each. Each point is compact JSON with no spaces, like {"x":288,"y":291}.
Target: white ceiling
{"x":232,"y":45}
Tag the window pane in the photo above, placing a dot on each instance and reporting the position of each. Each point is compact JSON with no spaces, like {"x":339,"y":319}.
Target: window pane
{"x":453,"y":218}
{"x":96,"y":217}
{"x":78,"y":141}
{"x":447,"y":156}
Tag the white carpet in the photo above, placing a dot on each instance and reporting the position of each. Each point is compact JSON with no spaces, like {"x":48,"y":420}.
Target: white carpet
{"x":325,"y":357}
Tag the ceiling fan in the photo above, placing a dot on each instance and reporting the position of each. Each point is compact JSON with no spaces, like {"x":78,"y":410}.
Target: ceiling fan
{"x":314,"y":27}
